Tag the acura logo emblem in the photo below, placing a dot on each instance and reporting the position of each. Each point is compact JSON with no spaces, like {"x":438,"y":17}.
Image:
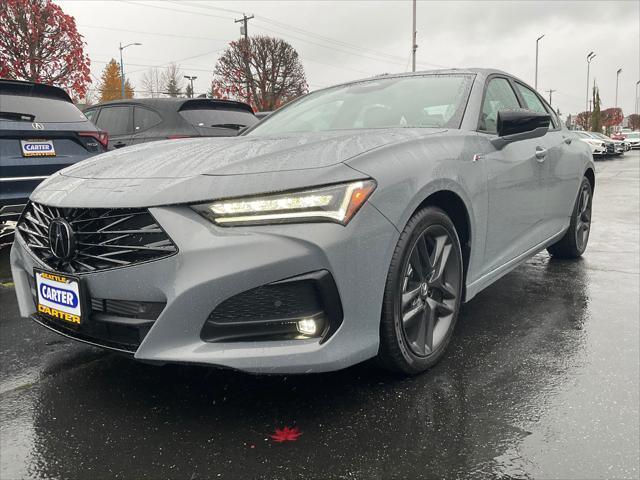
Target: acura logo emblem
{"x":62,"y":241}
{"x":37,"y":126}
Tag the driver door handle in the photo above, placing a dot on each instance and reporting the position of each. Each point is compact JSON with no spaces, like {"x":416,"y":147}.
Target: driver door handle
{"x":541,"y":154}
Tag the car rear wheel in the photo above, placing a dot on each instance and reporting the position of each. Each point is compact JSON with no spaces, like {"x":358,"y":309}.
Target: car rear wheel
{"x":422,"y":294}
{"x":574,"y":242}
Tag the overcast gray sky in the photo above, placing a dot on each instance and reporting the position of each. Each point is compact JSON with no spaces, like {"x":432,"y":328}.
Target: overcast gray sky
{"x":345,"y":40}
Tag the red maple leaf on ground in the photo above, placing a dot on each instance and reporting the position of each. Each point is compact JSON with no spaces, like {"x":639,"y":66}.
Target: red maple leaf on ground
{"x":286,"y":434}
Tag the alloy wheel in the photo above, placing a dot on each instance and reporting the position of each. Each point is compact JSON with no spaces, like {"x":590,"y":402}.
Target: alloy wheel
{"x":430,"y":288}
{"x":583,"y":217}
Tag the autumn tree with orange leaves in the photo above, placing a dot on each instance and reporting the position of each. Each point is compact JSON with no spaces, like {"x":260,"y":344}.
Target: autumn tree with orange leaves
{"x":110,"y":86}
{"x":263,"y":71}
{"x":40,"y":43}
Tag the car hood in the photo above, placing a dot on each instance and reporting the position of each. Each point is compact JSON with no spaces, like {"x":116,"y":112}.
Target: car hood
{"x":198,"y":170}
{"x":237,"y":155}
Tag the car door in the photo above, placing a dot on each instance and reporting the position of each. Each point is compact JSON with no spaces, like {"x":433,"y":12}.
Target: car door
{"x":560,"y":166}
{"x":514,"y":182}
{"x":117,"y":121}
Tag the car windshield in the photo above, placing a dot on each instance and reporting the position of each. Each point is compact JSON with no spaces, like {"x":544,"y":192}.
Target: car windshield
{"x":400,"y":102}
{"x":20,"y":108}
{"x":633,"y":135}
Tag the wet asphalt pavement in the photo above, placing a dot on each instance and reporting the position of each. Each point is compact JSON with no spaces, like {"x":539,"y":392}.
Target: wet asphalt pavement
{"x":540,"y":381}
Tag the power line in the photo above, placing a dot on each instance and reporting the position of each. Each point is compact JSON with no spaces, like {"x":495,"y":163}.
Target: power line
{"x":262,"y":18}
{"x":158,"y":34}
{"x":391,"y":58}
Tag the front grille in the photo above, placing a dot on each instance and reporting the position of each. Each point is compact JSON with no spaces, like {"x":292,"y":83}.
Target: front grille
{"x":102,"y":238}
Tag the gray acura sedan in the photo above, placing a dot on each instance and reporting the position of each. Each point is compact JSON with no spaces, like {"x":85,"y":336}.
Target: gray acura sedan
{"x":349,"y":224}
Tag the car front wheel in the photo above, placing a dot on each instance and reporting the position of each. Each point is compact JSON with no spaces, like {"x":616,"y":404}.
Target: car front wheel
{"x":422,"y":294}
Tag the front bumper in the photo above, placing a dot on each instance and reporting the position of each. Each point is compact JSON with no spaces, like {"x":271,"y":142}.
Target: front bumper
{"x":215,"y":263}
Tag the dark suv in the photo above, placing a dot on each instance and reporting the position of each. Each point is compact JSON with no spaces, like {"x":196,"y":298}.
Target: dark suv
{"x":41,"y":131}
{"x":139,"y":120}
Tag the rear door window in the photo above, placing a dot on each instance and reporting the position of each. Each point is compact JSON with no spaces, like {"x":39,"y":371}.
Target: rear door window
{"x":216,"y":117}
{"x":144,"y":118}
{"x":498,"y":96}
{"x":115,"y":120}
{"x":38,"y":109}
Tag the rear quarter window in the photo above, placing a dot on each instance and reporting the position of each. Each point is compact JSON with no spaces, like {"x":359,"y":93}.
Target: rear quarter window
{"x":38,"y":109}
{"x":145,"y":118}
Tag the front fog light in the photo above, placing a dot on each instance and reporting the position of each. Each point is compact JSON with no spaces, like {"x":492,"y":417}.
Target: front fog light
{"x":307,"y":326}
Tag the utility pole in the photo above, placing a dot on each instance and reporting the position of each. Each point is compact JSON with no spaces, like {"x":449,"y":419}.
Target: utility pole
{"x":617,"y":77}
{"x":536,"y":80}
{"x":550,"y":94}
{"x":637,"y":99}
{"x":590,"y":57}
{"x":244,"y":30}
{"x":414,"y":46}
{"x":191,"y":79}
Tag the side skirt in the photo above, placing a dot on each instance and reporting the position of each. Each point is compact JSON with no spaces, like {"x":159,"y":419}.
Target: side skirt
{"x":483,"y":282}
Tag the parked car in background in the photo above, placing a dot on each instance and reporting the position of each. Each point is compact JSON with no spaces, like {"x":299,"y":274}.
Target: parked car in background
{"x":633,"y":139}
{"x":141,"y":120}
{"x":41,"y":131}
{"x":619,"y":146}
{"x":617,"y":136}
{"x":598,"y":147}
{"x":351,"y":223}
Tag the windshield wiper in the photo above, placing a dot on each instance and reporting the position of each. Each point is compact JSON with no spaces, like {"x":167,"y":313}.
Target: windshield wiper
{"x":16,"y":116}
{"x":235,"y":126}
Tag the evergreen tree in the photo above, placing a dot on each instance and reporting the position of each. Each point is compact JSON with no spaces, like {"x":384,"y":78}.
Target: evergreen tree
{"x":596,"y":118}
{"x":173,"y":80}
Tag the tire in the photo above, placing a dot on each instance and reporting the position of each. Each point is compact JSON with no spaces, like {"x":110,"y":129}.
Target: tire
{"x":422,"y":294}
{"x":574,"y":242}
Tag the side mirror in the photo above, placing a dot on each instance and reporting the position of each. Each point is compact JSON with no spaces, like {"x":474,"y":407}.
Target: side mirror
{"x":515,"y":125}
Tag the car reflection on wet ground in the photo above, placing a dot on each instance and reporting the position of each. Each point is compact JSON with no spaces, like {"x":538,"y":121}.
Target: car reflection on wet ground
{"x":540,"y":380}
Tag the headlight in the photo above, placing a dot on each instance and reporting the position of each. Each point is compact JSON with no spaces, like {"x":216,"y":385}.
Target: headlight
{"x":332,"y":203}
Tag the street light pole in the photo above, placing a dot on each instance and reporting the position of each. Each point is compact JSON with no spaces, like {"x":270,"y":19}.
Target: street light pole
{"x":122,"y":66}
{"x":590,"y":57}
{"x":637,"y":99}
{"x":414,"y":46}
{"x":191,"y":79}
{"x":537,"y":41}
{"x":617,"y":77}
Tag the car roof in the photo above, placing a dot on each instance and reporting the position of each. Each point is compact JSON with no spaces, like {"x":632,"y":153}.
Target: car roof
{"x":32,"y":89}
{"x":177,"y":104}
{"x":482,"y":73}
